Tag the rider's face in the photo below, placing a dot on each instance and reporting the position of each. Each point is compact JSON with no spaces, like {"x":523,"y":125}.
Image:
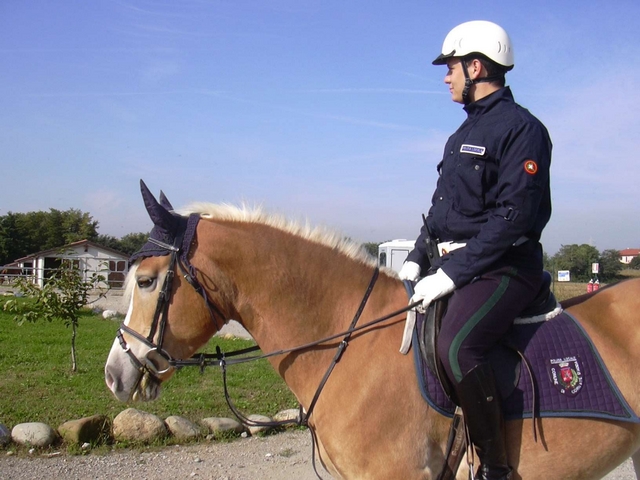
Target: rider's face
{"x":455,"y":79}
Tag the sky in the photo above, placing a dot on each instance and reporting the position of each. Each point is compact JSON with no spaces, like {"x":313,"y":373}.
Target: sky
{"x":324,"y":111}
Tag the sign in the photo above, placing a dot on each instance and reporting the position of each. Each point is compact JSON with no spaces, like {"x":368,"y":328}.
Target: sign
{"x":595,"y":268}
{"x":564,"y":276}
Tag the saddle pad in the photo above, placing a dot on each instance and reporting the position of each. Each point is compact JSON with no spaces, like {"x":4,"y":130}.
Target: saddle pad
{"x":570,"y":378}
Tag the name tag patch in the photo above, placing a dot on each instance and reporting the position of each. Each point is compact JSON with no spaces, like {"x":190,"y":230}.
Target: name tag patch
{"x":473,"y":149}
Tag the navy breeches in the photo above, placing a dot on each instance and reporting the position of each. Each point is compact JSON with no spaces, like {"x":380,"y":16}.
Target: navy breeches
{"x":478,"y":316}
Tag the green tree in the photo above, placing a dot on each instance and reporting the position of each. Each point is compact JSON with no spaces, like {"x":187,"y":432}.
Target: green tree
{"x":11,"y":241}
{"x":133,"y":242}
{"x":635,"y":263}
{"x":62,"y":297}
{"x":371,"y":248}
{"x":610,"y":266}
{"x":577,"y":259}
{"x":22,"y":234}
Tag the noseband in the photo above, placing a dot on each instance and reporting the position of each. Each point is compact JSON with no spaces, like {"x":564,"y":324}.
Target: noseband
{"x":178,"y":252}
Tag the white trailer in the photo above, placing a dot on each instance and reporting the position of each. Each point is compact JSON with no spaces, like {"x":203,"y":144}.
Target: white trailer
{"x":392,"y":254}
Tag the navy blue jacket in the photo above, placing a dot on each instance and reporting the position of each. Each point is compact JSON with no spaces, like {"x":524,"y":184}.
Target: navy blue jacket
{"x":493,"y":189}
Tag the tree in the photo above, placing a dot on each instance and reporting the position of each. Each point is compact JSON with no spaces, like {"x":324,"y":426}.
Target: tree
{"x":635,"y":263}
{"x":371,"y":248}
{"x":133,"y":242}
{"x":610,"y":266}
{"x":577,"y":259}
{"x":22,"y":234}
{"x":62,"y":297}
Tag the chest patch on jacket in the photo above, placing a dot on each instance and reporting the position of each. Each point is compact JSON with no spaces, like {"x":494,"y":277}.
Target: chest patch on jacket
{"x":472,"y":149}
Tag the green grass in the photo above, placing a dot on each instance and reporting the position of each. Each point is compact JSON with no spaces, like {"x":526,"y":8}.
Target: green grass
{"x":37,"y":385}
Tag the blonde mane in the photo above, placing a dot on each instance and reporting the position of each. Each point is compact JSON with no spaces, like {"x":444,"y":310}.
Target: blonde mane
{"x":317,"y":234}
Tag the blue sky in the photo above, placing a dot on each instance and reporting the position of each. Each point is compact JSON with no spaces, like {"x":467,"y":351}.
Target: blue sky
{"x":322,"y":110}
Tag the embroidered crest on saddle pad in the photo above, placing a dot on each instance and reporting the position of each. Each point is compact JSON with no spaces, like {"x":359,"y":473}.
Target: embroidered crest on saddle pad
{"x":565,"y":374}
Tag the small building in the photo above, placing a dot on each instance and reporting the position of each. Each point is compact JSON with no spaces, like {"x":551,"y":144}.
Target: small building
{"x":89,"y":257}
{"x":628,"y":254}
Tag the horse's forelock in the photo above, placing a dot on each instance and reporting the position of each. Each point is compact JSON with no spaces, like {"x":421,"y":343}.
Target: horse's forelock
{"x":257,"y":214}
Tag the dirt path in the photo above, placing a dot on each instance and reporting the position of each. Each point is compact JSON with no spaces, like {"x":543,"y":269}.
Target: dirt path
{"x":277,"y":457}
{"x":285,"y":456}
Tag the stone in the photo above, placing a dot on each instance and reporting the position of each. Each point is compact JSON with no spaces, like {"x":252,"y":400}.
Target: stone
{"x":181,"y":428}
{"x":138,"y":426}
{"x":221,"y":425}
{"x":95,"y":429}
{"x":285,"y":415}
{"x":107,"y":314}
{"x":254,"y":430}
{"x":33,"y":433}
{"x":5,"y":435}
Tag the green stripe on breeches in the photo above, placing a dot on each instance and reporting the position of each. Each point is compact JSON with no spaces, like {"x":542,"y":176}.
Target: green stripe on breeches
{"x":471,"y":324}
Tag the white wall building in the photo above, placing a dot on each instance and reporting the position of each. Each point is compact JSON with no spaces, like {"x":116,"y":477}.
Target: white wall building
{"x":88,"y":256}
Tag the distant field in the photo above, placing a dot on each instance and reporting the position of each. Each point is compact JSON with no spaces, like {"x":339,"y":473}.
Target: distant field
{"x":564,"y":290}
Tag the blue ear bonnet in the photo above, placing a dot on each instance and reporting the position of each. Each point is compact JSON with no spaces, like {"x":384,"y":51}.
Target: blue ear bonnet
{"x":168,"y":228}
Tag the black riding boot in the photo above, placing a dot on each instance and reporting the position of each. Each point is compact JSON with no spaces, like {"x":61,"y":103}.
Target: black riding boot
{"x":480,"y":402}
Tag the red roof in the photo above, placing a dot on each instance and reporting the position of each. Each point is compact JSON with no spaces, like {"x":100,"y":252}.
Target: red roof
{"x":630,"y":252}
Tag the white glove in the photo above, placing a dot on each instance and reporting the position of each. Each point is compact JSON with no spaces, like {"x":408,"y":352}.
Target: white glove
{"x":433,"y":287}
{"x":428,"y":289}
{"x":409,"y":271}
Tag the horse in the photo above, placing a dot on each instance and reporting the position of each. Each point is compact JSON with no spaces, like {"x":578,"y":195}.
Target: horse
{"x":290,"y":285}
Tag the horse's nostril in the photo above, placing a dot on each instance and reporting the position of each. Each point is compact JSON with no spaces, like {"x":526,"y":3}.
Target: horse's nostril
{"x":111,"y":381}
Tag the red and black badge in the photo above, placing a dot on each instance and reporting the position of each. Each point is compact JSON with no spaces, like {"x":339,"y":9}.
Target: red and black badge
{"x":531,"y":167}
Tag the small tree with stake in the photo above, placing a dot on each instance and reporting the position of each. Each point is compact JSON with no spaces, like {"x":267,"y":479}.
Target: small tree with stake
{"x":62,"y":297}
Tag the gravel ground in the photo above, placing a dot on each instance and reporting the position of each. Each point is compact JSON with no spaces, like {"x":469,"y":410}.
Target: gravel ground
{"x":285,"y":456}
{"x":277,"y":457}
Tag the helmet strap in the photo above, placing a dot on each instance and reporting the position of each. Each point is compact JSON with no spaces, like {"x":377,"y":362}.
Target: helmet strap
{"x":468,"y":83}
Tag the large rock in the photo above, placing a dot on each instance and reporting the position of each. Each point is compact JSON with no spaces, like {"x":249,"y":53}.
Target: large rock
{"x":181,"y":428}
{"x":34,"y":433}
{"x":221,"y":425}
{"x":5,"y":435}
{"x":260,"y":419}
{"x":287,"y":415}
{"x":138,"y":426}
{"x":94,"y":430}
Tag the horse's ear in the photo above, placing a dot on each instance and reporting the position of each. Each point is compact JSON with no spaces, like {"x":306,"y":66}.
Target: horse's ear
{"x":164,"y":201}
{"x":159,"y":214}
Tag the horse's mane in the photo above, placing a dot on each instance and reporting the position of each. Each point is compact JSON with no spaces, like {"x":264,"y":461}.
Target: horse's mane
{"x":318,"y":234}
{"x":244,"y":213}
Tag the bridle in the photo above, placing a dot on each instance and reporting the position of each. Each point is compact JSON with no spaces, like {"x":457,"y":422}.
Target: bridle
{"x":178,"y":252}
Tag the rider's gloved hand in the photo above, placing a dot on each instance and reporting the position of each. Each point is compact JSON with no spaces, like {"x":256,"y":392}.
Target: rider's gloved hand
{"x":427,"y":290}
{"x":409,"y":271}
{"x":433,"y":287}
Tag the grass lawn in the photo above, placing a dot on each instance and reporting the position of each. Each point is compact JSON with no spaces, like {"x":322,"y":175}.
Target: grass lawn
{"x":36,"y":383}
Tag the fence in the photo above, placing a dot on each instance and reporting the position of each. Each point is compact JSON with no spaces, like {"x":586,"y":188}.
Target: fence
{"x":9,"y":276}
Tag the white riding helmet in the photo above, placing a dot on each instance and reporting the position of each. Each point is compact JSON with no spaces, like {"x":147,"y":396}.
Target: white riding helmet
{"x":478,"y":36}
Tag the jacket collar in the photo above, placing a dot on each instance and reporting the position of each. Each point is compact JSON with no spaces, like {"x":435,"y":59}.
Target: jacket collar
{"x":489,"y":102}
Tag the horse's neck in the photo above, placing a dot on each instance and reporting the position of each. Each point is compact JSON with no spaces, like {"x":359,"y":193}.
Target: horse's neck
{"x":291,"y":291}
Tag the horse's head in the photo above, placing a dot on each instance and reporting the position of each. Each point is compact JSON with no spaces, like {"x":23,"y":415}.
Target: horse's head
{"x":154,"y":332}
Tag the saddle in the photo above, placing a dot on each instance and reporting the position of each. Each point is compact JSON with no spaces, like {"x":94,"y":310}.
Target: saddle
{"x":505,"y":357}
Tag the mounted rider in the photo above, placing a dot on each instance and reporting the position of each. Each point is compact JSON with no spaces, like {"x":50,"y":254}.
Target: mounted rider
{"x":480,"y":239}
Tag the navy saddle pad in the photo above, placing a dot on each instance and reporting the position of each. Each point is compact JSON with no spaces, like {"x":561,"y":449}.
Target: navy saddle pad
{"x":570,"y":378}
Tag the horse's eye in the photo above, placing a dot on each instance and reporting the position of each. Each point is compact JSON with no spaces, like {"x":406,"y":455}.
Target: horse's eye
{"x":145,"y":282}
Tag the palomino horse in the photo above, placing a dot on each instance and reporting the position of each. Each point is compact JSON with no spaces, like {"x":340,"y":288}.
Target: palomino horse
{"x":290,"y":285}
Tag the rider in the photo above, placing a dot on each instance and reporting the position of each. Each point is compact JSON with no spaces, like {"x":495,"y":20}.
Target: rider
{"x":491,"y":203}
